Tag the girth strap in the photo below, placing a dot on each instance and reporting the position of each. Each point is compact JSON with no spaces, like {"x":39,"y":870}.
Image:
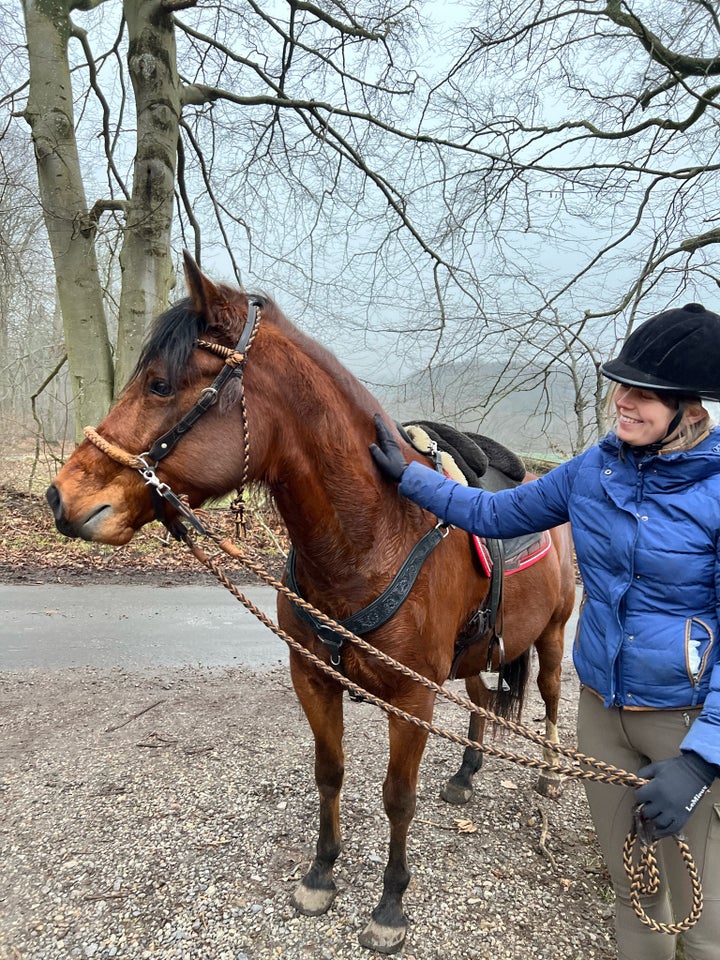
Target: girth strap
{"x":487,"y":620}
{"x":383,"y":608}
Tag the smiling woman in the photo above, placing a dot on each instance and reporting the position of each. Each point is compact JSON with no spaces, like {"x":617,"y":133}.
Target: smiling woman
{"x":645,"y":418}
{"x":644,"y":506}
{"x":662,"y":408}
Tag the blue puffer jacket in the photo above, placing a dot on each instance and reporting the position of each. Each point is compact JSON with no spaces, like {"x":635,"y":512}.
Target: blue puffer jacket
{"x":647,"y":540}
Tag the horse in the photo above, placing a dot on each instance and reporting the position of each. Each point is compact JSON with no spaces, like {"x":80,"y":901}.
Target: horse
{"x":283,"y":412}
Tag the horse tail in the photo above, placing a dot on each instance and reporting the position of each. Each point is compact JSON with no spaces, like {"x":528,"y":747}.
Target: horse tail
{"x":509,"y":704}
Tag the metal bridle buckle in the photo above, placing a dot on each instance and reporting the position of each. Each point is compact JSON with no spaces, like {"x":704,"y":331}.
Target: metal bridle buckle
{"x":152,"y":480}
{"x":208,"y":392}
{"x":165,"y":491}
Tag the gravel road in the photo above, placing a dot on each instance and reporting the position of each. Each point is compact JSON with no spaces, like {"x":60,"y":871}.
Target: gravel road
{"x":167,"y":813}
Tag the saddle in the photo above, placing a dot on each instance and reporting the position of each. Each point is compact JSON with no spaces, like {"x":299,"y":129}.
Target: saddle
{"x":479,"y":461}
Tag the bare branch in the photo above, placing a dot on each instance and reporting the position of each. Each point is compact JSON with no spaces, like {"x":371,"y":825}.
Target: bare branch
{"x":680,"y":64}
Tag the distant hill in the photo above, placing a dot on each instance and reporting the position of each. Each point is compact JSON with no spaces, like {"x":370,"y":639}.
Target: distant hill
{"x":537,"y":422}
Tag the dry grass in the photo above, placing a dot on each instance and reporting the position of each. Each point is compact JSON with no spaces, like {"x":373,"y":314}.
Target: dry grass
{"x":31,"y":549}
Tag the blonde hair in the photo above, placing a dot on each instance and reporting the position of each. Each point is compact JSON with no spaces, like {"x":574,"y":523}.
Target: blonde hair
{"x":686,"y":435}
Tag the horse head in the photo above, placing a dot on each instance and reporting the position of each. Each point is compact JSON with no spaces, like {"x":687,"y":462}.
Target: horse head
{"x":208,"y":351}
{"x":101,"y":493}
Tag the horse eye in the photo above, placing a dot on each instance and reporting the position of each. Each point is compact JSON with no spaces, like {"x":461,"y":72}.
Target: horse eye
{"x":161,"y":388}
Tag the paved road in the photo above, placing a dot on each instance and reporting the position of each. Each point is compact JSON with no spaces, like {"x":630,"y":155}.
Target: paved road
{"x":56,"y":626}
{"x":53,"y":626}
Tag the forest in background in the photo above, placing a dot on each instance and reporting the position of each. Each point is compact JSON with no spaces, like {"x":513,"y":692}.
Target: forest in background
{"x":471,"y":210}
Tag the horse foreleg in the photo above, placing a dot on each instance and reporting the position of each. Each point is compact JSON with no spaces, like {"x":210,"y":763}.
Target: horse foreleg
{"x":550,"y":649}
{"x":387,"y":929}
{"x":459,"y":788}
{"x":322,"y":704}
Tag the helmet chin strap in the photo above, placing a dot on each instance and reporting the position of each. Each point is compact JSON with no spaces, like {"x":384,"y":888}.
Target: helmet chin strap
{"x":672,"y":427}
{"x":675,"y":422}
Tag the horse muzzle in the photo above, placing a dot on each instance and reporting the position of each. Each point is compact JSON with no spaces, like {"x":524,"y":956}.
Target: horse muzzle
{"x":88,"y":527}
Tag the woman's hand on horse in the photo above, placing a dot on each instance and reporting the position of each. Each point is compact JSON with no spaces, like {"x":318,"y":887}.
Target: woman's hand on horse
{"x":673,"y":790}
{"x":386,"y":452}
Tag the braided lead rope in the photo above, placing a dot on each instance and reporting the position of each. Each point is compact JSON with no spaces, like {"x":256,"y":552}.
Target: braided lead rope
{"x":644,"y":878}
{"x":607,"y":772}
{"x":389,"y":708}
{"x":243,"y":413}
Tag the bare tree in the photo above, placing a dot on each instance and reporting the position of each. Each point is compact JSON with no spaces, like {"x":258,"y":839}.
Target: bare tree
{"x":259,"y":90}
{"x":28,"y":344}
{"x":596,"y":158}
{"x":515,"y":188}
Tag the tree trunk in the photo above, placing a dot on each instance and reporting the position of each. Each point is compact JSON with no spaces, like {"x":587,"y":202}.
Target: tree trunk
{"x":50,"y":116}
{"x":147,"y":275}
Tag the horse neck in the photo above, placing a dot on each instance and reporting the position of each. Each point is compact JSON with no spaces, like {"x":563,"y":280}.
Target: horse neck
{"x":313,"y":433}
{"x":330,"y":503}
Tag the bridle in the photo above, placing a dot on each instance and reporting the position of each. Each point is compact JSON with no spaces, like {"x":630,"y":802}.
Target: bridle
{"x":147,"y":463}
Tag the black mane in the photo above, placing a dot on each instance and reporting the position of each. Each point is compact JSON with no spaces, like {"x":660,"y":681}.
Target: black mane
{"x":172,"y":339}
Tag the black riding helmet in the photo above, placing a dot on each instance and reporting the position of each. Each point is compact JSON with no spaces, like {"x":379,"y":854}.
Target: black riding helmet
{"x":675,"y":352}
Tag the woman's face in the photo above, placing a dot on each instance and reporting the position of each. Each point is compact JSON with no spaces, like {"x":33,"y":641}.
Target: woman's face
{"x":642,"y":417}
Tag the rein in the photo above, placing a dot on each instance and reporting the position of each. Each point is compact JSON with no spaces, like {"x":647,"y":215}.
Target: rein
{"x":643,"y":876}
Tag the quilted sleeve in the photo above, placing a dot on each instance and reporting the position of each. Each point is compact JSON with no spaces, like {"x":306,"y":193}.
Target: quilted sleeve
{"x":704,"y":735}
{"x":530,"y":507}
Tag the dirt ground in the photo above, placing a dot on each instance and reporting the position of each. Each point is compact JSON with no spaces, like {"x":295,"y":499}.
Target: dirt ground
{"x":169,"y":813}
{"x":32,"y":551}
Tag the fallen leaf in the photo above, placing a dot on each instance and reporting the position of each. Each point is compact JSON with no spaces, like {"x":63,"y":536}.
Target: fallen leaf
{"x":465,"y":826}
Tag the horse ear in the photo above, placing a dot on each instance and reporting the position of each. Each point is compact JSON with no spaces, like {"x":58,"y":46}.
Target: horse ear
{"x":203,"y":292}
{"x":215,"y":302}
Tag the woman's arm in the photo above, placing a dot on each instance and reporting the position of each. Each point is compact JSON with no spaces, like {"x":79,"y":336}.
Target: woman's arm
{"x":530,"y":507}
{"x":703,"y":736}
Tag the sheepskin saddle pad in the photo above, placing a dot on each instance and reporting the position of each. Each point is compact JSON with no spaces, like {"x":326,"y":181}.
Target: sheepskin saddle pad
{"x":479,"y":461}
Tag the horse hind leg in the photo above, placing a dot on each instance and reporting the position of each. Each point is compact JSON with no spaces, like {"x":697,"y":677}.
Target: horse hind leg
{"x":458,"y":790}
{"x":550,"y":784}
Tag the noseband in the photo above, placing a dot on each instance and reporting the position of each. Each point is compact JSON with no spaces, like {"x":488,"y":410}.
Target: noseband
{"x":146,"y":463}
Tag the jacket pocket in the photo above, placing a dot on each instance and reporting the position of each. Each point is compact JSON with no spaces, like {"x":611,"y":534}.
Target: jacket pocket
{"x":699,"y":642}
{"x":576,"y":641}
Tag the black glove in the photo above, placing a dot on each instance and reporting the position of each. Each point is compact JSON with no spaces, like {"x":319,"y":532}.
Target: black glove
{"x":674,"y":790}
{"x":386,"y":453}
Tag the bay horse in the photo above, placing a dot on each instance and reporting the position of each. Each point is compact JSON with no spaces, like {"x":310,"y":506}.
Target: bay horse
{"x":291,"y":417}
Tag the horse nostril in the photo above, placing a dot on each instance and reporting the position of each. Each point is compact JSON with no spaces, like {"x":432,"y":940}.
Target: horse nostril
{"x":52,"y":495}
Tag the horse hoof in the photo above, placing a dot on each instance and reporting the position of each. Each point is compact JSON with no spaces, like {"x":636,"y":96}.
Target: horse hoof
{"x":382,"y":939}
{"x":456,"y":794}
{"x":313,"y":902}
{"x":550,"y":785}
